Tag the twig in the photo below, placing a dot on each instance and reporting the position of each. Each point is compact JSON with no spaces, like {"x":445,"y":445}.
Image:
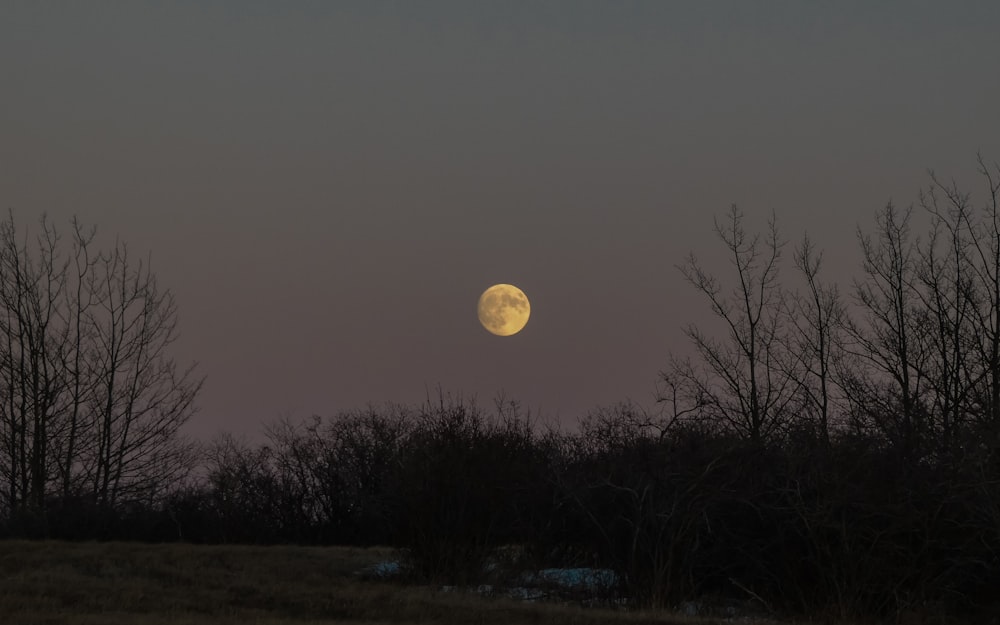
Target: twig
{"x":753,"y":594}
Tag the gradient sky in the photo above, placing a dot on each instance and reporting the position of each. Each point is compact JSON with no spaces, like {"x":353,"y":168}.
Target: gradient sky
{"x":327,"y":187}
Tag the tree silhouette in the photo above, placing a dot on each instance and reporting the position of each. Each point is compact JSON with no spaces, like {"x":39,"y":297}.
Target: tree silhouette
{"x":746,"y":382}
{"x":92,"y":400}
{"x":817,"y":318}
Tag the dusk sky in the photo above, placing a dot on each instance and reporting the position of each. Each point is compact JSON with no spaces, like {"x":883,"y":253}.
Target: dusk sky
{"x":328,"y":187}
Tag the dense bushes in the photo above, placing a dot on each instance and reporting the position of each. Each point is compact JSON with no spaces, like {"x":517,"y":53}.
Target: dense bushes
{"x":844,"y":527}
{"x":799,"y":525}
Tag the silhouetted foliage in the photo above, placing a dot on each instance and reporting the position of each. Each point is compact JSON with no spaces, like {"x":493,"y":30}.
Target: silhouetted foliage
{"x":458,"y":488}
{"x":831,"y":459}
{"x":749,"y":381}
{"x":91,"y":401}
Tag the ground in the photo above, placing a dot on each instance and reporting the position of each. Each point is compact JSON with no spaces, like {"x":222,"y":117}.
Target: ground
{"x":56,"y":583}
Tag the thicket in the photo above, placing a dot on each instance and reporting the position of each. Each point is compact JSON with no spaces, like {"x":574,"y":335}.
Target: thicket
{"x":820,"y":453}
{"x":846,"y":527}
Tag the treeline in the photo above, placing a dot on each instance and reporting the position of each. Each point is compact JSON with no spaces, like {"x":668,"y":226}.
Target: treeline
{"x":799,"y":524}
{"x":910,"y":355}
{"x":816,"y":451}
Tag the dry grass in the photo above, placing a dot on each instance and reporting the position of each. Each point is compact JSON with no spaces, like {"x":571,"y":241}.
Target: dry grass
{"x":54,"y":583}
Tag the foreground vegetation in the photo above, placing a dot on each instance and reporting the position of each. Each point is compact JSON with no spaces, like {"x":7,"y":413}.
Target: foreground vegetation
{"x":813,"y":454}
{"x":842,"y":531}
{"x":55,"y":583}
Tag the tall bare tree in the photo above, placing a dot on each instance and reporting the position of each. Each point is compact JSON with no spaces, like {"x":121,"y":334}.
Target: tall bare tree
{"x":745,"y":382}
{"x":142,"y":397}
{"x":981,"y":244}
{"x":890,"y":341}
{"x":77,"y":337}
{"x":32,"y":279}
{"x":92,"y":401}
{"x":949,"y":297}
{"x":817,"y":318}
{"x":929,"y":332}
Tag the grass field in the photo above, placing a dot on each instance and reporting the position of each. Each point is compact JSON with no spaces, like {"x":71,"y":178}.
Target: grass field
{"x":55,"y":583}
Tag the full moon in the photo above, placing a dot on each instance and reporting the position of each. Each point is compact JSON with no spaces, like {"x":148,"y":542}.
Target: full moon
{"x":504,"y":309}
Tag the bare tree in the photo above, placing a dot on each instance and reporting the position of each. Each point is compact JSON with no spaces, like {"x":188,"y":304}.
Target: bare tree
{"x":949,"y":298}
{"x":890,"y":340}
{"x":77,"y":338}
{"x":817,"y":318}
{"x":91,"y":401}
{"x":929,"y":333}
{"x":746,"y":382}
{"x":32,"y":279}
{"x":981,"y":244}
{"x":141,"y":397}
